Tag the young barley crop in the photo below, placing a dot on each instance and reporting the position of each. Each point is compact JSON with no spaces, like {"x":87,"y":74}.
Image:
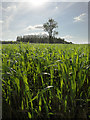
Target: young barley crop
{"x":41,"y":81}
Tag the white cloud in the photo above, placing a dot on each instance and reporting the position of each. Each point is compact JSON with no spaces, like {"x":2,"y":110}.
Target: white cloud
{"x":33,"y":33}
{"x":38,"y":26}
{"x":38,"y":33}
{"x":79,"y":18}
{"x":1,"y":21}
{"x":67,"y":37}
{"x":35,"y":27}
{"x":9,"y":8}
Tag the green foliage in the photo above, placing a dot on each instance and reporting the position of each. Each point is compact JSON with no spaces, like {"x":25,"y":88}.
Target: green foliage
{"x":49,"y":27}
{"x":41,"y":81}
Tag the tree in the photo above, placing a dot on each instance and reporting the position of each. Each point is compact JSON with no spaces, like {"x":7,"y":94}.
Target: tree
{"x":49,"y":27}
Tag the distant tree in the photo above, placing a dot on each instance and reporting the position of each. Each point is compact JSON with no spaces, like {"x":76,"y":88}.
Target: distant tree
{"x":49,"y":27}
{"x":19,"y":38}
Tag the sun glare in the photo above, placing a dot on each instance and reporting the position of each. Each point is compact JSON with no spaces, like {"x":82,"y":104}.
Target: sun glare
{"x":38,"y":3}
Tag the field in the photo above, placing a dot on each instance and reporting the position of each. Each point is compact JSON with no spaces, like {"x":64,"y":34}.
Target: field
{"x":45,"y":81}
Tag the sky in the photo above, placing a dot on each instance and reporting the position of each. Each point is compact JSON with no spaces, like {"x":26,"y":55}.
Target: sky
{"x":25,"y":18}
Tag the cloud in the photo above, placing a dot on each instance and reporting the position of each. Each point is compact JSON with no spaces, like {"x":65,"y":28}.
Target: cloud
{"x":9,"y":8}
{"x":35,"y":33}
{"x":1,"y":21}
{"x":39,"y":26}
{"x":35,"y":27}
{"x":39,"y":33}
{"x":67,"y":37}
{"x":79,"y":18}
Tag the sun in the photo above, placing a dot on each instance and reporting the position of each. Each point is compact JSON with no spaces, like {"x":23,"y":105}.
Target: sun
{"x":37,"y":3}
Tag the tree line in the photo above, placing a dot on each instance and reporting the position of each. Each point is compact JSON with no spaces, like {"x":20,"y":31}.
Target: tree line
{"x":48,"y":27}
{"x":40,"y":39}
{"x":35,"y":39}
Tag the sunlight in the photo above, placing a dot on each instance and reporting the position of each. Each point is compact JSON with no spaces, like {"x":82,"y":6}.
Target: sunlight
{"x":38,"y":3}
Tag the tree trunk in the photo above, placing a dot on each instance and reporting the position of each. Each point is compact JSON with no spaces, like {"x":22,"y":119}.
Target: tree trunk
{"x":50,"y":39}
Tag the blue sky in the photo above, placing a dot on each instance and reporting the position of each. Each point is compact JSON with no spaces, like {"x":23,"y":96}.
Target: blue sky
{"x":23,"y":18}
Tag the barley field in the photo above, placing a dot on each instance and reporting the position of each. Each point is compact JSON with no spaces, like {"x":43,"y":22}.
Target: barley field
{"x":45,"y":81}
